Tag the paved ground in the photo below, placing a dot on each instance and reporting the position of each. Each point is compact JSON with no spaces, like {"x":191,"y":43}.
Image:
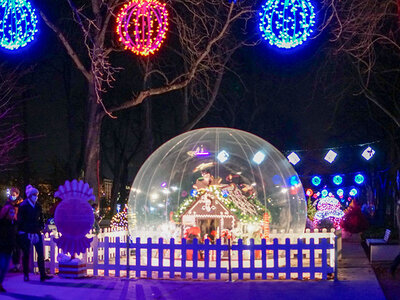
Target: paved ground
{"x":356,"y":281}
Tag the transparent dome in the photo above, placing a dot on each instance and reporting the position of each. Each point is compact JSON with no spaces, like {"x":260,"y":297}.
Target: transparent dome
{"x":216,"y":180}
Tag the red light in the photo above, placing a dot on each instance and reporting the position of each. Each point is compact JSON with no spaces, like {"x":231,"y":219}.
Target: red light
{"x":309,"y":192}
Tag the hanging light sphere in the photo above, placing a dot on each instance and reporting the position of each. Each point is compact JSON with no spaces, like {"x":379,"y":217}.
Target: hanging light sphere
{"x":287,"y":23}
{"x":18,"y":22}
{"x":142,"y":26}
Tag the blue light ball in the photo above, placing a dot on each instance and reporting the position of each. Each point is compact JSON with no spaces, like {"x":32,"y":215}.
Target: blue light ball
{"x":17,"y":24}
{"x":287,"y":23}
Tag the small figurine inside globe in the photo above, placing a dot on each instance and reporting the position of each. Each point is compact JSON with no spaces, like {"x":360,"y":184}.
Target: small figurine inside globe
{"x":216,"y":182}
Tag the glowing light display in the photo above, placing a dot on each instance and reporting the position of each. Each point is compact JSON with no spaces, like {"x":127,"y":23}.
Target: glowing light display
{"x":223,"y":156}
{"x":340,"y":192}
{"x":330,"y":156}
{"x":293,"y":158}
{"x":329,"y":208}
{"x":359,"y":179}
{"x":18,"y":24}
{"x":337,"y":179}
{"x":353,"y":192}
{"x":316,"y":180}
{"x":324,"y":193}
{"x":287,"y":24}
{"x":142,"y":26}
{"x":309,"y":192}
{"x":368,"y":153}
{"x":259,"y":157}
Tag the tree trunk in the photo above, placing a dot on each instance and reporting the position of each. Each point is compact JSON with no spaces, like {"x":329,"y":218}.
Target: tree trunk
{"x":92,"y":142}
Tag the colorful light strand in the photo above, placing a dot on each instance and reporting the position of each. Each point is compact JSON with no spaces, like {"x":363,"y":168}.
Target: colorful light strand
{"x":142,"y":26}
{"x":17,"y":24}
{"x":287,"y":24}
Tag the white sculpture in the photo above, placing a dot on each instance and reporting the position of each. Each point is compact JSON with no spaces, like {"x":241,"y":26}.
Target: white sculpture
{"x":74,"y":216}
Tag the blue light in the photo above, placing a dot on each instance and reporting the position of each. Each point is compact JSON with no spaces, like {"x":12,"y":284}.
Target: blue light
{"x":294,"y":180}
{"x":359,"y":179}
{"x":286,"y":24}
{"x":276,"y":179}
{"x":18,"y":24}
{"x":193,"y":193}
{"x":337,"y":179}
{"x":316,"y":180}
{"x":353,"y":192}
{"x":324,"y":193}
{"x":340,"y":192}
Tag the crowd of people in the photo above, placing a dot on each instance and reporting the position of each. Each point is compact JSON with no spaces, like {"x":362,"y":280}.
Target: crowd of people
{"x":21,"y":226}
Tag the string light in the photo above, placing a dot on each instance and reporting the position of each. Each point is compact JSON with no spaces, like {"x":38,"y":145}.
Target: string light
{"x":353,"y":192}
{"x":18,"y":24}
{"x":293,"y":158}
{"x":286,"y":24}
{"x":316,"y":180}
{"x":120,"y":220}
{"x":368,"y":153}
{"x":359,"y":179}
{"x":330,"y":156}
{"x":337,"y":179}
{"x":142,"y":26}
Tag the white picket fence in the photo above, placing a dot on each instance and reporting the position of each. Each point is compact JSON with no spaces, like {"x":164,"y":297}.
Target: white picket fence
{"x":284,"y":256}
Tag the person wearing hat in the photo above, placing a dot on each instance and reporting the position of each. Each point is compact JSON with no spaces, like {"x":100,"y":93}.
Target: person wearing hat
{"x":15,"y":200}
{"x":30,"y":224}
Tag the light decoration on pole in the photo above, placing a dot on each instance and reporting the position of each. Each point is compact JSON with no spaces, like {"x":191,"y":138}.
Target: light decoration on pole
{"x":368,"y":153}
{"x":330,"y":156}
{"x":329,"y":208}
{"x":337,"y":179}
{"x":287,"y":24}
{"x":293,"y":158}
{"x":142,"y":26}
{"x":18,"y":24}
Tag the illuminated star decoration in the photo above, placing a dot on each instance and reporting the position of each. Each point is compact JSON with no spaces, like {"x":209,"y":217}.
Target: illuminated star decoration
{"x":287,"y":23}
{"x":142,"y":26}
{"x":18,"y":22}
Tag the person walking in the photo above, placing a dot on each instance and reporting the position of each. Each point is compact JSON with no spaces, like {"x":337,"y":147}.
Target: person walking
{"x":15,"y":200}
{"x":8,"y":233}
{"x":30,"y":224}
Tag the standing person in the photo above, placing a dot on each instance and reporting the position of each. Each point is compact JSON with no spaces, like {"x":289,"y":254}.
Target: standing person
{"x":8,"y":234}
{"x":15,"y":200}
{"x":396,"y":261}
{"x":30,"y":223}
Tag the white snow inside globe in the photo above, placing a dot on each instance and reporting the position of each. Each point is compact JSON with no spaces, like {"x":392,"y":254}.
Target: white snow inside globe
{"x":211,"y":181}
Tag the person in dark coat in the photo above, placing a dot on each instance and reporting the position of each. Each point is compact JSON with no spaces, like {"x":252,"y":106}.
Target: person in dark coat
{"x":15,"y":200}
{"x":30,"y":224}
{"x":8,"y":233}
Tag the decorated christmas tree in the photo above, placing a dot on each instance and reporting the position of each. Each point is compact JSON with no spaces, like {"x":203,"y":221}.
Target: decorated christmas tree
{"x":120,"y":220}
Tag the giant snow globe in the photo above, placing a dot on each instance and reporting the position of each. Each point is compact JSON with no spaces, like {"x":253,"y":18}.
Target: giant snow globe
{"x":216,"y":182}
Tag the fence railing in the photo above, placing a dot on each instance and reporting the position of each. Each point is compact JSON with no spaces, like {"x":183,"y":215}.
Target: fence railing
{"x":308,"y":255}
